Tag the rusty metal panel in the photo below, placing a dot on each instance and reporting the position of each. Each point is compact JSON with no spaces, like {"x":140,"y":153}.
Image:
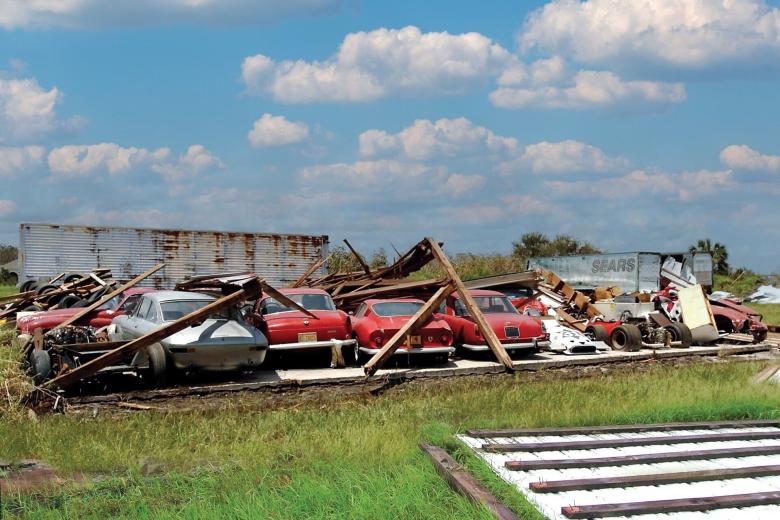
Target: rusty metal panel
{"x":629,"y":271}
{"x":48,"y":249}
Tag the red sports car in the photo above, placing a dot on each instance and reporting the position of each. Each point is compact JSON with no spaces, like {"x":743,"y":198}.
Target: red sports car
{"x":376,"y":321}
{"x":523,"y":300}
{"x":100,"y":317}
{"x":291,"y":330}
{"x":517,"y":333}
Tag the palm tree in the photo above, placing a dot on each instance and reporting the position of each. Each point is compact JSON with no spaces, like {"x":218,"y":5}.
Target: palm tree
{"x":718,"y":252}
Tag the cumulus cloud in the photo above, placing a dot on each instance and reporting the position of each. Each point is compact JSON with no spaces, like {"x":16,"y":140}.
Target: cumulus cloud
{"x":365,"y":172}
{"x":85,"y":160}
{"x":742,"y":157}
{"x":458,"y":184}
{"x":272,"y":130}
{"x":426,"y":139}
{"x":28,"y":110}
{"x":685,"y":34}
{"x":14,"y":160}
{"x":562,"y":157}
{"x":74,"y":14}
{"x":7,"y":207}
{"x":371,"y":65}
{"x":587,"y":90}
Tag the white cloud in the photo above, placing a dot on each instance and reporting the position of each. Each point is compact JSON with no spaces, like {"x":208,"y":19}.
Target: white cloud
{"x":13,"y":160}
{"x":7,"y":207}
{"x":742,"y":157}
{"x":365,"y":172}
{"x":28,"y":110}
{"x":425,"y":139}
{"x":84,"y":160}
{"x":687,"y":34}
{"x":370,"y":65}
{"x":458,"y":184}
{"x":272,"y":130}
{"x":197,"y":159}
{"x":97,"y":13}
{"x":587,"y":90}
{"x":562,"y":157}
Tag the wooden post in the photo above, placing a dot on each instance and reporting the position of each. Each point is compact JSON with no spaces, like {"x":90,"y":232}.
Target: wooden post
{"x":420,"y":317}
{"x":362,"y":262}
{"x":251,"y":289}
{"x":313,"y":267}
{"x":468,"y":301}
{"x":464,"y":483}
{"x":104,"y":299}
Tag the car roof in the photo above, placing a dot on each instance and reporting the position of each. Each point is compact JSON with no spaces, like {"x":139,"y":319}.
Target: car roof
{"x":298,"y":290}
{"x":139,"y":290}
{"x":373,"y":301}
{"x":480,"y":292}
{"x":167,"y":296}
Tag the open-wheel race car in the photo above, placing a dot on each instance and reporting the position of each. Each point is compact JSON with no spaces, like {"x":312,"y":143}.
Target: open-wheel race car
{"x":632,"y":334}
{"x":519,"y":334}
{"x":377,"y":320}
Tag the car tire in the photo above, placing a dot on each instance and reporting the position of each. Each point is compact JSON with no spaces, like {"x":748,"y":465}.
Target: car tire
{"x":626,"y":337}
{"x":69,"y":301}
{"x":43,"y":289}
{"x":95,"y":296}
{"x":40,"y":365}
{"x":71,"y":277}
{"x":157,"y":373}
{"x":81,"y":303}
{"x":29,"y":285}
{"x":598,"y":333}
{"x":33,"y":308}
{"x":680,"y":332}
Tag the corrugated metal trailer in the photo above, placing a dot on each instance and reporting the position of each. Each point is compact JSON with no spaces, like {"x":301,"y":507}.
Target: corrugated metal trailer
{"x":48,"y":249}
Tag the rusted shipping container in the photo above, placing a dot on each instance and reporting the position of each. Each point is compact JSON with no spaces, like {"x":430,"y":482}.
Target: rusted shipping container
{"x":48,"y":249}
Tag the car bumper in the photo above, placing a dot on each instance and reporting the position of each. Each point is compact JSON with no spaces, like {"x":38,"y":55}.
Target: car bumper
{"x":413,"y":350}
{"x":525,"y":345}
{"x":313,"y":345}
{"x":217,"y":358}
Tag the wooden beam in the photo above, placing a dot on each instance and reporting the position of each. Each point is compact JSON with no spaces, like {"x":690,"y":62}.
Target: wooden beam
{"x":359,"y":293}
{"x":531,"y":447}
{"x":464,"y":483}
{"x":250,"y":290}
{"x":645,"y":458}
{"x":284,"y":300}
{"x":360,"y":260}
{"x":654,"y":479}
{"x":625,"y":428}
{"x":313,"y":267}
{"x":468,"y":301}
{"x":673,"y":505}
{"x":420,"y":317}
{"x":105,"y":298}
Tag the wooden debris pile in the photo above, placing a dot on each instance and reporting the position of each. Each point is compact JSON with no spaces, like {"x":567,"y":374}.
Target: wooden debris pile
{"x":65,"y":290}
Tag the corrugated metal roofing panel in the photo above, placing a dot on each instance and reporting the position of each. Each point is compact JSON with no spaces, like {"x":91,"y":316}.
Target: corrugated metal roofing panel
{"x":48,"y":249}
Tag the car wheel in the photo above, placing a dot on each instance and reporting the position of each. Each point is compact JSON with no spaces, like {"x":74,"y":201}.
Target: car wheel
{"x":95,"y":296}
{"x":627,"y":338}
{"x":29,"y":285}
{"x":33,"y":308}
{"x":43,"y":289}
{"x":69,"y":301}
{"x":680,"y":332}
{"x":157,"y":374}
{"x":72,"y":277}
{"x":80,"y":303}
{"x":40,"y":365}
{"x":598,"y":333}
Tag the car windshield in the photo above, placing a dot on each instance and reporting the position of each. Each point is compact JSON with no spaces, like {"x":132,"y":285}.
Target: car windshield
{"x":111,"y":304}
{"x":494,"y":304}
{"x":310,"y":302}
{"x":178,"y":309}
{"x":396,"y":308}
{"x":519,"y":292}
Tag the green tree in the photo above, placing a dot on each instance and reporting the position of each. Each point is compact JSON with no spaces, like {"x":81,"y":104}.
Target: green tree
{"x":342,"y":260}
{"x":538,"y":244}
{"x":378,"y":259}
{"x":8,"y":253}
{"x":718,"y":252}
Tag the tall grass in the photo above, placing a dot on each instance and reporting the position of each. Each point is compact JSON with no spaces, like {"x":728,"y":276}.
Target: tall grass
{"x":770,"y":312}
{"x":6,"y":290}
{"x":352,"y":459}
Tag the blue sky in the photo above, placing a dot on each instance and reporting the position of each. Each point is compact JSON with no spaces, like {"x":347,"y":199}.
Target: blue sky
{"x":634,"y":125}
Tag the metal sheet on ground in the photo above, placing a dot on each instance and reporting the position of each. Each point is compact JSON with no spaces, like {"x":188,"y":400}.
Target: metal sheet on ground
{"x":551,"y":503}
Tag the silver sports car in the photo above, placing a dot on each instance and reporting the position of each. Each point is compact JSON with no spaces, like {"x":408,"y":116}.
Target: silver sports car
{"x":222,"y":342}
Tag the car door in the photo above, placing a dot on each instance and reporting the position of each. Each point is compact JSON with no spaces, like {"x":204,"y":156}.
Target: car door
{"x":131,"y":326}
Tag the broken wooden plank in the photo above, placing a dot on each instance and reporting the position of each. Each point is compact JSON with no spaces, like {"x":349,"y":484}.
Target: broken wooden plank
{"x":593,"y":444}
{"x":313,"y":267}
{"x":625,"y":428}
{"x":250,"y":290}
{"x":468,"y":301}
{"x":645,"y":458}
{"x":107,"y":297}
{"x":464,"y":483}
{"x":360,"y":260}
{"x":420,"y":317}
{"x":653,"y":479}
{"x":671,"y":506}
{"x":571,"y":321}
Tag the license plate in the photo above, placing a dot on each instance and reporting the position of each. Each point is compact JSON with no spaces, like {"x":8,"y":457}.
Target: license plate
{"x":413,"y":341}
{"x":512,"y":332}
{"x":307,"y":337}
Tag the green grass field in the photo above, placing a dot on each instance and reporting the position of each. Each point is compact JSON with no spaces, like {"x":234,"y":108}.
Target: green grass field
{"x":770,"y":311}
{"x":5,"y":290}
{"x":351,"y":459}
